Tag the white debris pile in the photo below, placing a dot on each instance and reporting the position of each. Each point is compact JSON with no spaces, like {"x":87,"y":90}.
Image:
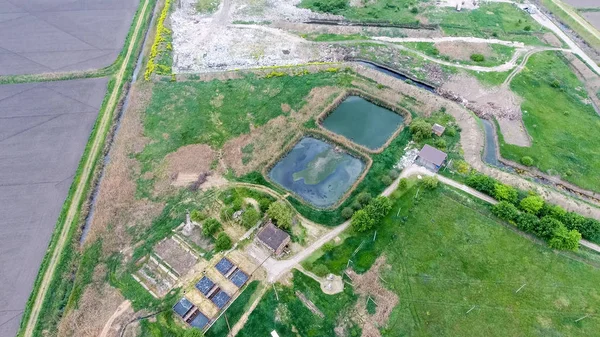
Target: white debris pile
{"x":409,"y":157}
{"x":274,"y":10}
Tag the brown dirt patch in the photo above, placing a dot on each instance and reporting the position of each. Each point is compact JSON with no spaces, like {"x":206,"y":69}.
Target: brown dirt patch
{"x":369,"y":284}
{"x":552,"y":40}
{"x":96,"y":306}
{"x":458,"y":50}
{"x":499,"y":102}
{"x":189,"y":161}
{"x":268,"y":140}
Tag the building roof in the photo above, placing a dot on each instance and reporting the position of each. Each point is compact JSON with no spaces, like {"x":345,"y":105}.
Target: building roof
{"x":272,"y":236}
{"x":438,"y":129}
{"x":432,"y":155}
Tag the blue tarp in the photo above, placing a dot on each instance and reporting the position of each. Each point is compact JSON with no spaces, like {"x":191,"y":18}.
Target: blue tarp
{"x":182,"y":307}
{"x":220,"y":299}
{"x":239,"y":278}
{"x":224,"y":266}
{"x":205,"y":285}
{"x":199,"y":321}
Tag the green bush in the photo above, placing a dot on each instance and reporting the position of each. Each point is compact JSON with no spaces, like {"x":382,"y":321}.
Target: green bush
{"x":527,"y":161}
{"x":506,"y":193}
{"x":250,"y":217}
{"x":347,"y":212}
{"x":565,"y":239}
{"x":532,"y":204}
{"x":192,"y":332}
{"x":329,"y":6}
{"x":477,"y":57}
{"x":364,"y":198}
{"x":386,"y":180}
{"x":420,"y":129}
{"x":430,"y":182}
{"x":320,"y":270}
{"x":223,"y":242}
{"x":482,"y":183}
{"x":403,"y":183}
{"x":440,"y":143}
{"x":414,"y":10}
{"x":394,"y":174}
{"x":527,"y":28}
{"x":527,"y":222}
{"x":505,"y":210}
{"x":197,"y":216}
{"x":547,"y":227}
{"x":372,"y":214}
{"x":211,"y":226}
{"x":281,"y":215}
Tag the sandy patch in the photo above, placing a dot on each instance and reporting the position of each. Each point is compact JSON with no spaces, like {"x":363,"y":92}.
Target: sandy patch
{"x":458,"y":50}
{"x":499,"y":102}
{"x":369,"y":285}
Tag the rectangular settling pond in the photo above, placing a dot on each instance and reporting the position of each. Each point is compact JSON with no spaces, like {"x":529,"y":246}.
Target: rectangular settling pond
{"x":363,"y":122}
{"x":317,"y":172}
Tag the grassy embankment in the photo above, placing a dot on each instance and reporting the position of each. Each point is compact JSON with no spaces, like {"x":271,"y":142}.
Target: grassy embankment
{"x":500,"y":54}
{"x":568,"y":20}
{"x":448,"y":253}
{"x":64,"y":289}
{"x":563,"y":127}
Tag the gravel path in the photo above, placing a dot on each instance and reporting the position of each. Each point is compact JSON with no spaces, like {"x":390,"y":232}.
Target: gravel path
{"x":120,"y":310}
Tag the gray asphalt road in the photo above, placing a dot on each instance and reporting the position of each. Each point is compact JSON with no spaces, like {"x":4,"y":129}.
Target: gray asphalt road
{"x":39,"y":36}
{"x":43,"y":131}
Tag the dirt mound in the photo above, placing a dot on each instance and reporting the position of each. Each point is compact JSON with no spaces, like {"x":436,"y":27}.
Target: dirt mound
{"x":498,"y":102}
{"x":459,"y":50}
{"x":369,"y":284}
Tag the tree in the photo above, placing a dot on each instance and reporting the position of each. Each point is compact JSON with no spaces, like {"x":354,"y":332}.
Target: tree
{"x":386,"y":180}
{"x":320,"y":270}
{"x":506,"y":193}
{"x":590,"y":229}
{"x":547,"y":227}
{"x":223,"y":242}
{"x":565,"y":239}
{"x":527,"y":28}
{"x":420,"y":129}
{"x":211,"y":226}
{"x":554,"y":211}
{"x":532,"y":204}
{"x":347,"y":212}
{"x":364,"y":198}
{"x":462,"y":167}
{"x":281,"y":215}
{"x":482,"y":183}
{"x":505,"y":210}
{"x":527,"y":161}
{"x":250,"y":217}
{"x":394,"y":174}
{"x":527,"y":222}
{"x":362,"y":221}
{"x":403,"y":183}
{"x":379,"y":207}
{"x":430,"y":182}
{"x":440,"y":143}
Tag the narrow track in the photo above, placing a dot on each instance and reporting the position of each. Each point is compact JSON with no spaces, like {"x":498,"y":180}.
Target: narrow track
{"x":86,"y":174}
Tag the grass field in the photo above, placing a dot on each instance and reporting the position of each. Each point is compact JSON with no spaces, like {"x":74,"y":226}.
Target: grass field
{"x":448,"y":253}
{"x":571,"y":23}
{"x":285,"y":312}
{"x":564,"y":129}
{"x":502,"y":54}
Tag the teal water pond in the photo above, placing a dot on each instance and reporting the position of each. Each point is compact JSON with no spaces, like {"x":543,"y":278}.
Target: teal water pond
{"x":363,"y":122}
{"x":317,"y":172}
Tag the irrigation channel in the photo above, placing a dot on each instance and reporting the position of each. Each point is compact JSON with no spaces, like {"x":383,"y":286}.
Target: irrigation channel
{"x":138,"y":66}
{"x":395,"y":73}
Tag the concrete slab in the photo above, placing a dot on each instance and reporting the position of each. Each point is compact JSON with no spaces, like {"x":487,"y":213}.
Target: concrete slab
{"x":43,"y":131}
{"x":39,"y":36}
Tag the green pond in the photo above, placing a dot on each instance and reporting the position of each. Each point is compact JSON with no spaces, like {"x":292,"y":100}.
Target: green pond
{"x":363,"y":122}
{"x":317,"y":172}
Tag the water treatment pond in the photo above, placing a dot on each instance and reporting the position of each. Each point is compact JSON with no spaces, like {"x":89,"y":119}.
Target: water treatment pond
{"x":317,"y":172}
{"x":363,"y":122}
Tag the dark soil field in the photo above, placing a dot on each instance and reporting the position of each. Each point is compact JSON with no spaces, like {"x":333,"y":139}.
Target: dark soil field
{"x":43,"y":131}
{"x":583,"y":3}
{"x":593,"y":18}
{"x":61,"y":35}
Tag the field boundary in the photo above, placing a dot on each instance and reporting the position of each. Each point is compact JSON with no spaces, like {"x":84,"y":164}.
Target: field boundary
{"x":69,"y":218}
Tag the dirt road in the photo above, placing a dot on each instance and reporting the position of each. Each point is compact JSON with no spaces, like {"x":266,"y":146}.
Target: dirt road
{"x":86,"y":175}
{"x":120,"y":310}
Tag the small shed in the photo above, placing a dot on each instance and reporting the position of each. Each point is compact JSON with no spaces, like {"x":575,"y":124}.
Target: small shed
{"x":431,"y":158}
{"x":273,"y":238}
{"x":438,"y":130}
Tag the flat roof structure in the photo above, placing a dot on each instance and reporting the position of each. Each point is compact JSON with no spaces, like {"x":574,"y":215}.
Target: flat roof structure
{"x":205,"y":285}
{"x":239,"y":278}
{"x":432,"y":155}
{"x":199,"y":320}
{"x":221,"y":299}
{"x":274,"y":238}
{"x":182,"y":307}
{"x":224,"y":266}
{"x":438,"y":129}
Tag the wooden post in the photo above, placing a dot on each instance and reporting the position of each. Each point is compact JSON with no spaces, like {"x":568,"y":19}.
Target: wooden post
{"x":471,"y":309}
{"x":579,"y":319}
{"x":276,"y":295}
{"x":520,"y":288}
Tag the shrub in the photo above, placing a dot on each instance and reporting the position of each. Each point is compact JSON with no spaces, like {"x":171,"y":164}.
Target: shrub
{"x":328,"y":246}
{"x":330,"y":6}
{"x":420,"y":129}
{"x":356,"y":205}
{"x":462,"y":167}
{"x":450,"y":131}
{"x":193,"y":333}
{"x":590,"y":229}
{"x":320,"y":270}
{"x":555,"y":83}
{"x":482,"y":183}
{"x":281,"y":215}
{"x":532,"y":204}
{"x":505,"y":210}
{"x":565,"y":239}
{"x":403,"y":183}
{"x":211,"y":226}
{"x":430,"y":182}
{"x":506,"y":193}
{"x":527,"y":161}
{"x":554,"y":211}
{"x":364,"y":198}
{"x":250,"y":217}
{"x":547,"y":227}
{"x":198,"y":216}
{"x":264,"y":204}
{"x":527,"y":28}
{"x":414,"y":10}
{"x":362,"y":221}
{"x":223,"y":242}
{"x":527,"y":222}
{"x":440,"y":143}
{"x":347,"y":212}
{"x":386,"y":180}
{"x":394,"y":174}
{"x":477,"y":57}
